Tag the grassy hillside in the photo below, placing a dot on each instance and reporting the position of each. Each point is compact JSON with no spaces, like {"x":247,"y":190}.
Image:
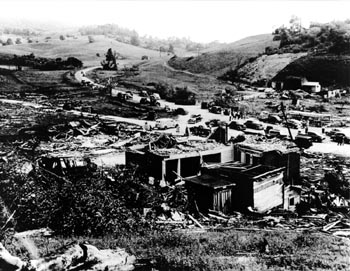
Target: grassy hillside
{"x":266,"y":67}
{"x":250,"y":44}
{"x":79,"y":48}
{"x":326,"y":69}
{"x":219,"y":59}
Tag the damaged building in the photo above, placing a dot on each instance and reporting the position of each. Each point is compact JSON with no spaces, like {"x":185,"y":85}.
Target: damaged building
{"x":179,"y":160}
{"x":241,"y":187}
{"x":252,"y":174}
{"x":261,"y":176}
{"x":273,"y":153}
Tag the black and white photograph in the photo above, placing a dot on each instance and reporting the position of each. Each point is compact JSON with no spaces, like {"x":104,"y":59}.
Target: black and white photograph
{"x":174,"y":135}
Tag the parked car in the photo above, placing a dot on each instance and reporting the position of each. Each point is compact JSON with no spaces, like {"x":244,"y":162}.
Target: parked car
{"x":254,"y":124}
{"x":337,"y":137}
{"x":197,"y":117}
{"x":315,"y":136}
{"x":155,"y":96}
{"x":200,"y":131}
{"x":191,"y":121}
{"x":271,"y":133}
{"x":273,"y":119}
{"x":215,"y":109}
{"x":303,"y":141}
{"x":332,"y":132}
{"x":213,"y":123}
{"x":235,"y":125}
{"x":144,"y":93}
{"x":165,"y":123}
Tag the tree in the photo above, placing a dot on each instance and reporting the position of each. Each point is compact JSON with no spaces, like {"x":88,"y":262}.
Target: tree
{"x":72,"y":61}
{"x":110,"y":63}
{"x":62,"y":37}
{"x":171,"y":49}
{"x":9,"y":41}
{"x":18,"y":41}
{"x":135,"y":40}
{"x":91,"y":39}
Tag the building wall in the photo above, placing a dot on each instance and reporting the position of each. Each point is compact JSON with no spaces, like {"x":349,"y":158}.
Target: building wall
{"x":227,"y":154}
{"x":290,"y":199}
{"x":268,"y":194}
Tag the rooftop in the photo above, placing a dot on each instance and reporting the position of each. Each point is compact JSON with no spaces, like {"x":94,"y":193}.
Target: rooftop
{"x":310,"y":83}
{"x":214,"y":182}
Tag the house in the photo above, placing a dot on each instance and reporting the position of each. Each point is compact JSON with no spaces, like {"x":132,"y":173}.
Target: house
{"x":235,"y":186}
{"x":311,"y":87}
{"x":180,"y":160}
{"x":273,"y":154}
{"x":331,"y":93}
{"x":295,"y":82}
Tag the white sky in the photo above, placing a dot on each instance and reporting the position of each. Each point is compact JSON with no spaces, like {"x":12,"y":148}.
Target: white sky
{"x":202,"y":21}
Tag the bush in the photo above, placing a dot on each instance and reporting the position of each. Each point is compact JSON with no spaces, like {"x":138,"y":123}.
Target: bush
{"x":88,"y":204}
{"x":180,"y":111}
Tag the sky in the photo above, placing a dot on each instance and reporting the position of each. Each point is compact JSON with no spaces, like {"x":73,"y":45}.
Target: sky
{"x":201,"y":21}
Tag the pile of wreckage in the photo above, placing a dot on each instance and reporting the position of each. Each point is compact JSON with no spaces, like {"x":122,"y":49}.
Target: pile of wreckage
{"x":336,"y":224}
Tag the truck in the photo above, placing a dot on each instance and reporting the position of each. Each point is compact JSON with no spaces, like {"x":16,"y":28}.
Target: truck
{"x":165,"y":123}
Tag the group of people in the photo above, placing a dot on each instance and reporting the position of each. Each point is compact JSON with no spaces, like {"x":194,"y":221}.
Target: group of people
{"x":236,"y":115}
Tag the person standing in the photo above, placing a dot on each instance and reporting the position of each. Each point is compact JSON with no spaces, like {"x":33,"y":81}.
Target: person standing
{"x":339,"y":140}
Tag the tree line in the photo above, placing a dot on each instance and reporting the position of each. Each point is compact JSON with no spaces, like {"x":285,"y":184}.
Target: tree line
{"x":333,"y":37}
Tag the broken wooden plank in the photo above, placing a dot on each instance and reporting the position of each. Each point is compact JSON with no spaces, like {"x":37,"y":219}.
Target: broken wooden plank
{"x":218,"y":217}
{"x":218,"y":213}
{"x":196,"y":221}
{"x":169,"y":222}
{"x":331,"y":225}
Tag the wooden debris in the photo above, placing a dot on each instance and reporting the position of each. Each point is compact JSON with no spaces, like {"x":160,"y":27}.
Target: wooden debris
{"x":196,"y":221}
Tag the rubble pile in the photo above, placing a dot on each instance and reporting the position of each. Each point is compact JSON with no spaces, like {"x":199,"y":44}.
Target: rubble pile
{"x":315,"y":165}
{"x":332,"y":223}
{"x":187,"y":146}
{"x":15,"y":116}
{"x":265,"y":144}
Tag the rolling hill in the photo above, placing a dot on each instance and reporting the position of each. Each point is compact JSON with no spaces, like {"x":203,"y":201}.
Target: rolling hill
{"x":218,"y":59}
{"x":79,"y":48}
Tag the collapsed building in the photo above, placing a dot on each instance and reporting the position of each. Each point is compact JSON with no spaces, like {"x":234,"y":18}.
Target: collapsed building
{"x":254,"y":174}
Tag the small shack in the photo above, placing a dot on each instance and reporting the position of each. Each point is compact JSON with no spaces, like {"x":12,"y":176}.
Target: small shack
{"x":209,"y":192}
{"x":311,"y":87}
